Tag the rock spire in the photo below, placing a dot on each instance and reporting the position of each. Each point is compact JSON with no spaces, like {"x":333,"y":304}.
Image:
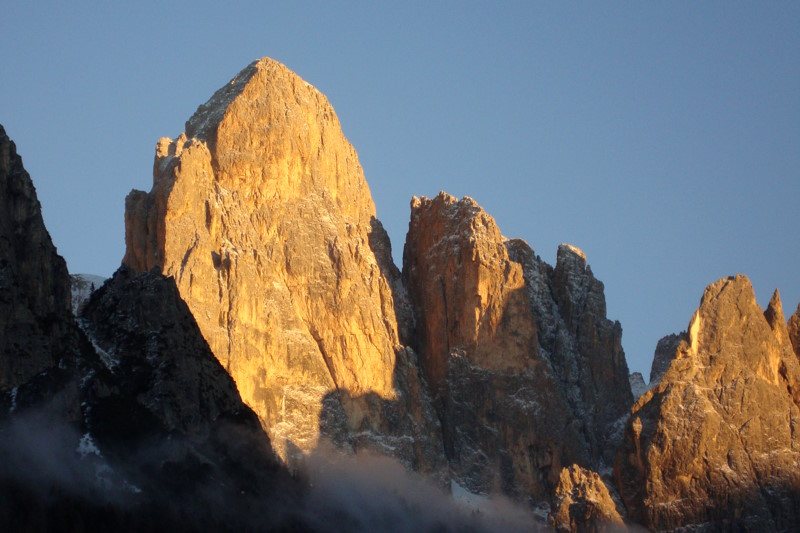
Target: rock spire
{"x":714,"y":443}
{"x":505,"y":338}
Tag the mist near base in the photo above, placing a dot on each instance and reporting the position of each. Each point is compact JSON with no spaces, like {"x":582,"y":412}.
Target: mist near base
{"x":60,"y":475}
{"x":369,"y":492}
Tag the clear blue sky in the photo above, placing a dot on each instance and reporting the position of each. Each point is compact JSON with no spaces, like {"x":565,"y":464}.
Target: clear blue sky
{"x":663,"y":138}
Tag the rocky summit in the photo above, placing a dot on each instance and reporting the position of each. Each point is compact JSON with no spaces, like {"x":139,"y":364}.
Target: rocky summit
{"x":638,"y":386}
{"x":666,"y":348}
{"x":714,"y":445}
{"x":503,"y":338}
{"x":261,"y":213}
{"x":583,"y":503}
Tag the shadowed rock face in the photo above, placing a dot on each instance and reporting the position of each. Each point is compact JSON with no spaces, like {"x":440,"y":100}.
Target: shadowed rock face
{"x":167,"y":417}
{"x":526,"y":372}
{"x":262,"y":215}
{"x":160,"y":438}
{"x":146,"y":333}
{"x":714,"y":444}
{"x":666,"y":348}
{"x":36,"y":328}
{"x":793,"y":329}
{"x":586,"y":350}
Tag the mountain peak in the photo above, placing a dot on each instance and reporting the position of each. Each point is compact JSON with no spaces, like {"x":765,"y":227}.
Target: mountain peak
{"x":262,"y":214}
{"x":730,"y":394}
{"x":260,"y":73}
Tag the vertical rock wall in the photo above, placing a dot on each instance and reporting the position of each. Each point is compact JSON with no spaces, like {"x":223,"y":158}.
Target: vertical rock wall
{"x":262,"y":214}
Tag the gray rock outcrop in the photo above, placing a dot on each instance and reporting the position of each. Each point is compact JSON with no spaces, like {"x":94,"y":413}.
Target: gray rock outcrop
{"x":663,"y":356}
{"x":793,"y":329}
{"x":638,"y":386}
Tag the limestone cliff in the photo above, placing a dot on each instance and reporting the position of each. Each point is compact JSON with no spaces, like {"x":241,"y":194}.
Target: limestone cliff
{"x":714,"y":445}
{"x":261,"y":213}
{"x":584,"y":346}
{"x":528,"y":375}
{"x":35,"y":318}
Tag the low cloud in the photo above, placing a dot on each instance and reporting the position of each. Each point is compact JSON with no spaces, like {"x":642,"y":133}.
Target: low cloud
{"x":367,"y":492}
{"x":53,"y":462}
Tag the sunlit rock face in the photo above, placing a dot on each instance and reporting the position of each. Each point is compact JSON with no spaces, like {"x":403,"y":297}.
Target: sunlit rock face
{"x":715,"y":444}
{"x":261,"y":213}
{"x":36,"y":329}
{"x":583,"y":503}
{"x":517,"y":354}
{"x":776,"y":320}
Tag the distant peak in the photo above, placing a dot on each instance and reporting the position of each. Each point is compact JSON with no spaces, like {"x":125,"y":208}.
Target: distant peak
{"x":572,"y":250}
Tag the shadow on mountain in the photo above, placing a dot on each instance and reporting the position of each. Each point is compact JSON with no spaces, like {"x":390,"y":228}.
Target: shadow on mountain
{"x":388,"y":450}
{"x":381,"y":247}
{"x":54,"y":478}
{"x":142,"y":431}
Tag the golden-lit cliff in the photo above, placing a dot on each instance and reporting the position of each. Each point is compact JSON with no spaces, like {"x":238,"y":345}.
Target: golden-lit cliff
{"x":715,"y":441}
{"x":261,"y":213}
